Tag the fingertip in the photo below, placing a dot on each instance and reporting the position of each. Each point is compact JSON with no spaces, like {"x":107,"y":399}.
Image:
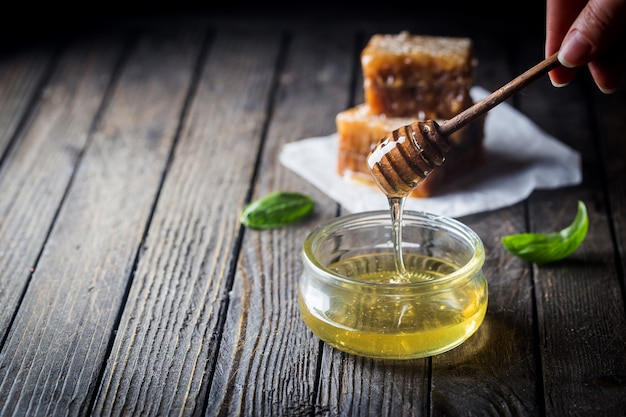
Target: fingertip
{"x":607,"y":90}
{"x":562,"y":56}
{"x":560,"y":77}
{"x":555,"y":82}
{"x":608,"y":77}
{"x":576,"y":50}
{"x":558,"y":85}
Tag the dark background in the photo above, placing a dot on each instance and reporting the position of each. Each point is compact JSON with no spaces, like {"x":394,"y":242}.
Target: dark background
{"x":28,"y":22}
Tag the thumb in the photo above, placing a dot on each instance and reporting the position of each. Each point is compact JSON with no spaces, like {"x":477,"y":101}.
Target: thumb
{"x":597,"y":26}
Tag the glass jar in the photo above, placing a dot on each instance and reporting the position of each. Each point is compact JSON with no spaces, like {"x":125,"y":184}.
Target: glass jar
{"x":352,"y":298}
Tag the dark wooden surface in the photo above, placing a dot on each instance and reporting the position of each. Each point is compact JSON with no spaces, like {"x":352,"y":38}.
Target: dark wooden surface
{"x":128,"y":286}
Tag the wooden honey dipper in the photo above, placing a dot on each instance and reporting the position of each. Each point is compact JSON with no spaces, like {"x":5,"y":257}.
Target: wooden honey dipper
{"x":404,"y":157}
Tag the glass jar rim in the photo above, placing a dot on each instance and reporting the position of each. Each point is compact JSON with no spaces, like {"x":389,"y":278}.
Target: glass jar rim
{"x":354,"y":219}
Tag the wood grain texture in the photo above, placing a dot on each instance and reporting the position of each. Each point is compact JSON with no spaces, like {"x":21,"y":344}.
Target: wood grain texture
{"x":39,"y":167}
{"x":580,"y":304}
{"x":493,"y":373}
{"x":268,"y":358}
{"x":171,"y":325}
{"x":21,"y":75}
{"x":87,"y":262}
{"x":355,"y":386}
{"x":612,"y":149}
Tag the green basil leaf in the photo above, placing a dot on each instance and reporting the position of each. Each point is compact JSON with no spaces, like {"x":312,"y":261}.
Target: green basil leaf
{"x":277,"y":209}
{"x":541,"y":248}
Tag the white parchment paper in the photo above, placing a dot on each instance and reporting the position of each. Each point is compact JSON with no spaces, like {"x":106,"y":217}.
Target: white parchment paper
{"x":520,"y":158}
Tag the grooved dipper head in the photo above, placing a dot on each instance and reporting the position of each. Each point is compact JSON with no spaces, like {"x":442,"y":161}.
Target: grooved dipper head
{"x":403,"y":158}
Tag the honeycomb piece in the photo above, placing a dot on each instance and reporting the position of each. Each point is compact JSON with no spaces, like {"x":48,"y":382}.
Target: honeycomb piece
{"x":428,"y":77}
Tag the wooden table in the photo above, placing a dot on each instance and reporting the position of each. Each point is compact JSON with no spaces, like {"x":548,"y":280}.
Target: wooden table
{"x":129,"y":287}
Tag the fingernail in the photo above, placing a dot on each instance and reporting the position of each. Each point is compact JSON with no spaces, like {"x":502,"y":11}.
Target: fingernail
{"x":575,"y":50}
{"x":607,"y":90}
{"x":558,"y":84}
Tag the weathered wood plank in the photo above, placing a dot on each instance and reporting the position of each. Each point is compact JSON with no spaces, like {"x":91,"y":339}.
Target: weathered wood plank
{"x":21,"y":75}
{"x":37,"y":170}
{"x":268,"y":358}
{"x":354,"y":386}
{"x":493,"y":372}
{"x":610,"y":113}
{"x":580,"y":305}
{"x":165,"y":348}
{"x":57,"y":345}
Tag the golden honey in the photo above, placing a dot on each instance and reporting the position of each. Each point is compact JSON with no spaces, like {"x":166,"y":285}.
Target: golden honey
{"x":351,"y":297}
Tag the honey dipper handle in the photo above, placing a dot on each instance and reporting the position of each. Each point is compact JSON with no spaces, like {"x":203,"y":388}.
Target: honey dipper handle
{"x":471,"y":113}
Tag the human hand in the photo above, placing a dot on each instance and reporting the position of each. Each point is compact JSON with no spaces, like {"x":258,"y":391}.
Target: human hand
{"x":587,"y":32}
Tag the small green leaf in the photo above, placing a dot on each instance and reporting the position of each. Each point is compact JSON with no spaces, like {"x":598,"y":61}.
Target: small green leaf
{"x":277,"y":209}
{"x":542,"y":248}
